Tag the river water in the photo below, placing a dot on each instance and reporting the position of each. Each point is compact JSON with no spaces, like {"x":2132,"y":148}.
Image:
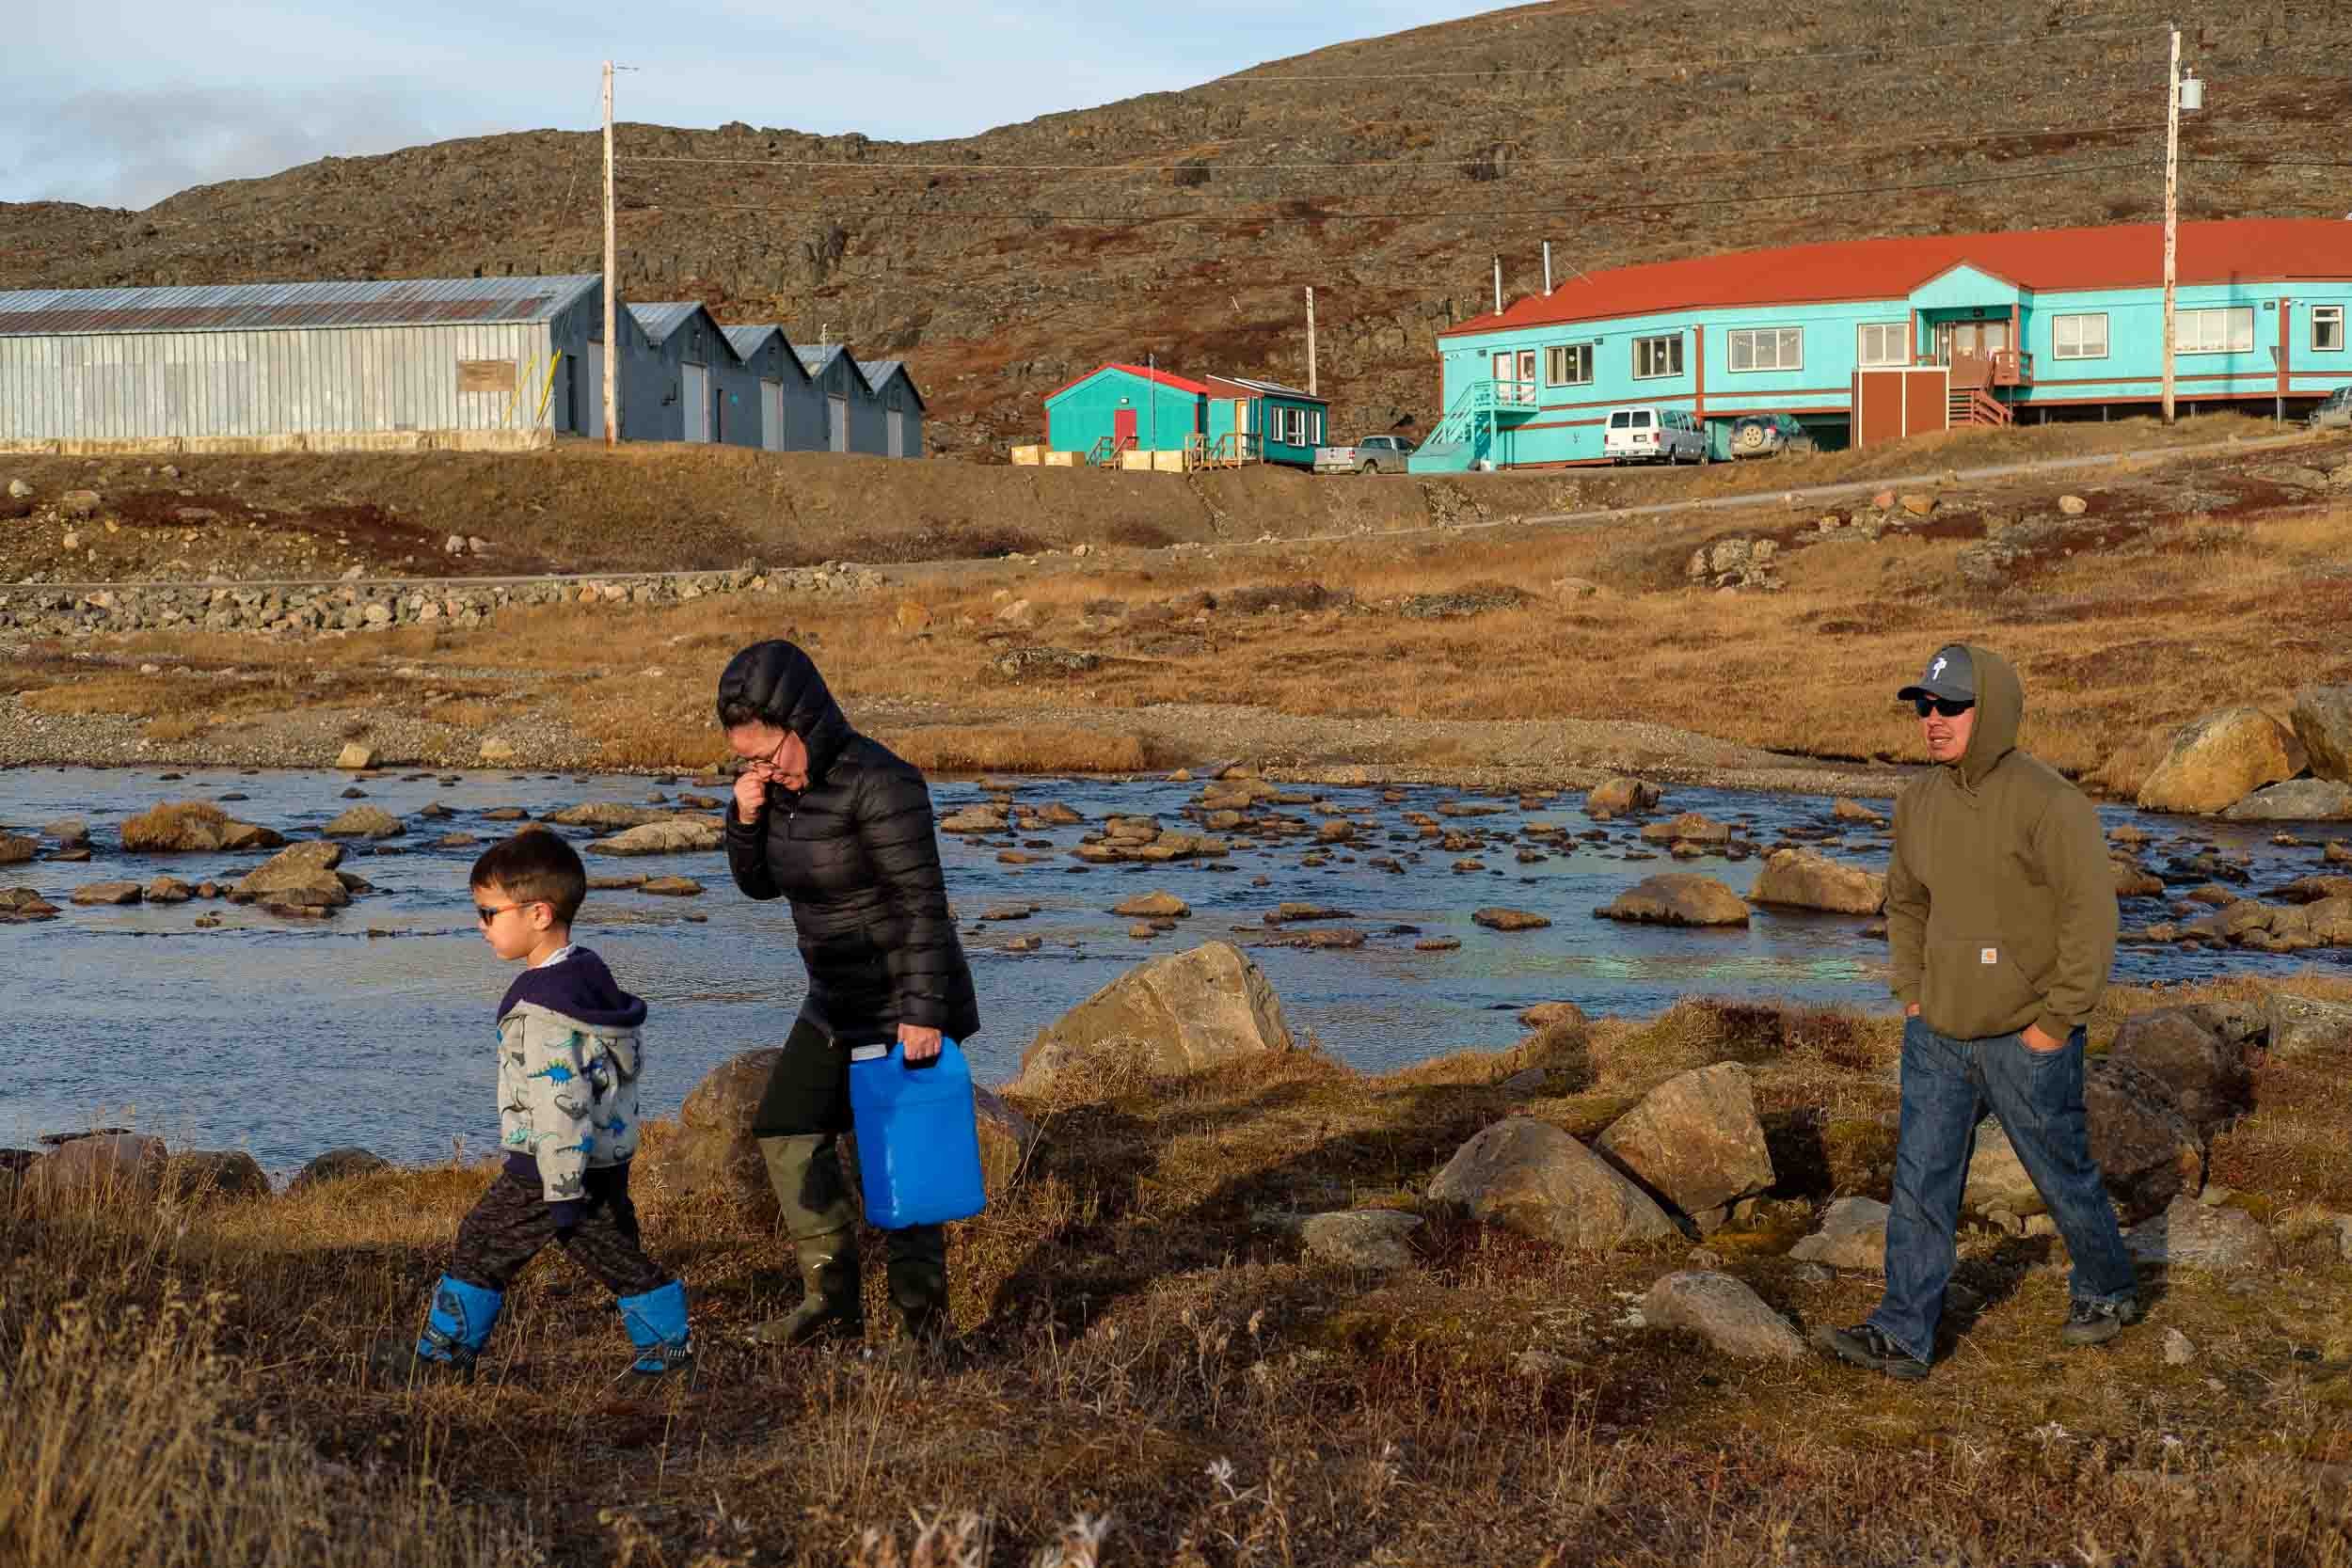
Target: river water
{"x":374,"y":1028}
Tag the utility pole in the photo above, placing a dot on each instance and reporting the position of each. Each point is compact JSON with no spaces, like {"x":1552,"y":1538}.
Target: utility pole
{"x":1547,"y":269}
{"x":1497,"y":285}
{"x":2172,"y":205}
{"x":1311,"y":340}
{"x":612,"y":284}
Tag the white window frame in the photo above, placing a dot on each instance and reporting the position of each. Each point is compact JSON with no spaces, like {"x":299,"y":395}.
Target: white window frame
{"x":2333,"y":313}
{"x":2058,"y":348}
{"x":1645,"y":347}
{"x":2229,"y":317}
{"x":1787,"y":341}
{"x":1902,"y":350}
{"x":1570,"y":355}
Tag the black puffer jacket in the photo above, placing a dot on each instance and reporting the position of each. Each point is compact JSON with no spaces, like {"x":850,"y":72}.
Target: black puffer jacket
{"x":857,"y":854}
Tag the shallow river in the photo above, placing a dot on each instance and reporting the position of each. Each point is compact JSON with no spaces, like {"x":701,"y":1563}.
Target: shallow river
{"x":374,"y":1028}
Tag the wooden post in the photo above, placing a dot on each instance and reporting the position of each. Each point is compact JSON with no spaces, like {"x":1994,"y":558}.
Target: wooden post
{"x":1311,"y":340}
{"x":1497,"y":285}
{"x":2171,"y":206}
{"x":611,"y":285}
{"x":1547,"y":269}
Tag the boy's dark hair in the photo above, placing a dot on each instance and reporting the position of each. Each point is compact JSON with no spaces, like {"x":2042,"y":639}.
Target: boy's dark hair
{"x":535,"y":866}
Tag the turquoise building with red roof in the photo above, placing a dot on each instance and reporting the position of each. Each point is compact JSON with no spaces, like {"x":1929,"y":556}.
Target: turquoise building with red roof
{"x":1871,"y":340}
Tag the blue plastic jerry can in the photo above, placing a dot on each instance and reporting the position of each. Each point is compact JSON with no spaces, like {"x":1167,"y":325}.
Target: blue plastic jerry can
{"x":918,"y":1143}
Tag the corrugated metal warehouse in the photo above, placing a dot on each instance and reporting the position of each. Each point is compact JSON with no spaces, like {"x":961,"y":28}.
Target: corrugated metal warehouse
{"x":247,"y":361}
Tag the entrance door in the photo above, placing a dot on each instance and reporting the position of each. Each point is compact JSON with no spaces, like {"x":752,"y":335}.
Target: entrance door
{"x":1506,"y":372}
{"x":771,"y":415}
{"x":897,"y":432}
{"x":837,"y":423}
{"x":1123,"y":428}
{"x":694,"y":393}
{"x":1971,"y":348}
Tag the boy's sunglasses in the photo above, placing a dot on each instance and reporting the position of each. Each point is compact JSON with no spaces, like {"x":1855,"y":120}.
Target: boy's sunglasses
{"x":486,"y":913}
{"x":1947,"y":708}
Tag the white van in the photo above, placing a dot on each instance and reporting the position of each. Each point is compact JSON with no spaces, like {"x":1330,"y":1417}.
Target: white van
{"x":1652,"y":434}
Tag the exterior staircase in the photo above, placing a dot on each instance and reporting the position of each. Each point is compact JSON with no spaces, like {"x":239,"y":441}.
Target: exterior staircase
{"x":1974,"y":406}
{"x":1468,"y":433}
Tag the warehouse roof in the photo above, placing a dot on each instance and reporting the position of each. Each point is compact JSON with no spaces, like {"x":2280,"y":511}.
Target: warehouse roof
{"x":2233,"y":251}
{"x":814,"y":360}
{"x":1268,"y":388}
{"x":1162,"y":377}
{"x":246,"y":306}
{"x":879,"y":372}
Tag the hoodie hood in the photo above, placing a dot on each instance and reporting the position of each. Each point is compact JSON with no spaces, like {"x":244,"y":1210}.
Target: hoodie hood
{"x":781,"y":683}
{"x":2000,"y":709}
{"x":581,"y":988}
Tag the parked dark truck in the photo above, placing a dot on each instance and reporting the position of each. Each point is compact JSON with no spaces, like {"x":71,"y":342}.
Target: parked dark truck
{"x":1371,"y":454}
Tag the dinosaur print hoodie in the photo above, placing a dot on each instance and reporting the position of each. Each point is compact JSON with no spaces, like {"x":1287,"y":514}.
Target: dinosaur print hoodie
{"x":569,"y":1058}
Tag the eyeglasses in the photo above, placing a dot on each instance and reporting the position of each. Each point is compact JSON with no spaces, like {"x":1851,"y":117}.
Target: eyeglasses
{"x":486,"y":914}
{"x":1947,"y":708}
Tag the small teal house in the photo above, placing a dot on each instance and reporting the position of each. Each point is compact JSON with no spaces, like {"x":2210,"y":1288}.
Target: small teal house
{"x":1125,"y":408}
{"x":1874,"y":340}
{"x":1263,"y":421}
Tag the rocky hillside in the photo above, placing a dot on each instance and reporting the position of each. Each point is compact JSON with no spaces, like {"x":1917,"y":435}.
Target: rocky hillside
{"x":1186,"y":224}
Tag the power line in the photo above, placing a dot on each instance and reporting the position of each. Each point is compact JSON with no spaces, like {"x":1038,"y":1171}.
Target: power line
{"x":1316,"y":216}
{"x":1446,"y":165}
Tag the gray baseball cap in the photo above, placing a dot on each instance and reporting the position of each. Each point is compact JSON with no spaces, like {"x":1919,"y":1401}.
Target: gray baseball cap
{"x":1950,"y":676}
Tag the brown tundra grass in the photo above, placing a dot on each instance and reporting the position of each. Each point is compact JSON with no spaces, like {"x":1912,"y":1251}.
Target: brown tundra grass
{"x":1156,"y":1375}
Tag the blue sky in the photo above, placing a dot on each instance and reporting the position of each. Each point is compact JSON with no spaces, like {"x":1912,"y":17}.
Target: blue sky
{"x":121,"y":102}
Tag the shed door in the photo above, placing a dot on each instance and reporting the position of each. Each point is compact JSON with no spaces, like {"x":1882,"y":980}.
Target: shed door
{"x":771,"y":415}
{"x":1123,"y":428}
{"x":897,"y":432}
{"x":837,"y":423}
{"x":592,"y":391}
{"x":694,"y":394}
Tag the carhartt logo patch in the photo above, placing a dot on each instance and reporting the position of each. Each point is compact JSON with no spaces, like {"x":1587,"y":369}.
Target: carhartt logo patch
{"x":1988,"y":955}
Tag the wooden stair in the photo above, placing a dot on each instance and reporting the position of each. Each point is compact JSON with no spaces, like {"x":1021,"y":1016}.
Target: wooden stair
{"x":1974,"y":406}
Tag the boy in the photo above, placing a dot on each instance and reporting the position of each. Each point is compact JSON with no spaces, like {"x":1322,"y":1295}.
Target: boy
{"x":569,"y":1058}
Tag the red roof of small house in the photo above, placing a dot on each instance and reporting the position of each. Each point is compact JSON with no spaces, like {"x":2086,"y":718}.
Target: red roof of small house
{"x":2230,"y":250}
{"x":1177,"y":382}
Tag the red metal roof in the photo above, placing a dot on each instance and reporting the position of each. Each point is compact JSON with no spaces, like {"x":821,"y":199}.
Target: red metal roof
{"x":2230,"y":250}
{"x":1178,"y":382}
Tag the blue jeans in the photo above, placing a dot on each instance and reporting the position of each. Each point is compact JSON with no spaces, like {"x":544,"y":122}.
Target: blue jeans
{"x":1948,"y":1083}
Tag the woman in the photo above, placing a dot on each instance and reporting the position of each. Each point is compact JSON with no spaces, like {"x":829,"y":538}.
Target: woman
{"x":832,"y":820}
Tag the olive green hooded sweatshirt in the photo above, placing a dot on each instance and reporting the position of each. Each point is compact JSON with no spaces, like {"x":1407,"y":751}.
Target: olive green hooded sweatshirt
{"x":2000,"y":903}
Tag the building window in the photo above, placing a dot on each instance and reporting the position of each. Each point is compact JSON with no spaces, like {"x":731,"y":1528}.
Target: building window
{"x":1879,"y":345}
{"x":2229,"y":331}
{"x":2078,"y":336}
{"x":1317,"y":438}
{"x":1568,"y":365}
{"x":2327,"y":328}
{"x":1764,"y":348}
{"x":1654,"y":358}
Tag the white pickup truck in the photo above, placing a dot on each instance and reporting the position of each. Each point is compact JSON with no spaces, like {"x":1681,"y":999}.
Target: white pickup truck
{"x":1371,"y":454}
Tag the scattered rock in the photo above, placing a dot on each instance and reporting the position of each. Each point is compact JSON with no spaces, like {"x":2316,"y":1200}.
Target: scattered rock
{"x":2219,"y":760}
{"x":1621,"y":795}
{"x":2206,"y":1073}
{"x":110,"y":1164}
{"x":1531,"y":1177}
{"x":1678,"y":899}
{"x":107,"y":893}
{"x":1855,"y":811}
{"x":299,"y":872}
{"x":671,"y":887}
{"x":1852,"y":1236}
{"x":1919,"y":505}
{"x":1289,"y":912}
{"x":1438,"y":944}
{"x":227,"y":1174}
{"x":2322,"y":718}
{"x":2178,"y":1350}
{"x":1171,"y":1015}
{"x":2146,"y":1149}
{"x":1547,"y":1015}
{"x":369,"y":822}
{"x":358,"y":759}
{"x":1723,"y":1312}
{"x":2190,"y":1235}
{"x":2305,"y":1025}
{"x":1499,"y":919}
{"x":16,"y":850}
{"x":24,"y":904}
{"x":2074,"y":506}
{"x":1689,"y":828}
{"x":713,"y":1151}
{"x":168,"y":889}
{"x":1153,"y":906}
{"x":1997,"y":1179}
{"x":2295,"y":800}
{"x":337,"y":1165}
{"x":674,"y":835}
{"x":1695,"y":1139}
{"x":1807,"y":879}
{"x":79,"y":503}
{"x":1369,"y":1239}
{"x":497,"y":751}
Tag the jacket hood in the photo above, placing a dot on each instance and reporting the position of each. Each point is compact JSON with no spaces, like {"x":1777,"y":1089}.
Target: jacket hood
{"x":782,"y":684}
{"x":581,"y":988}
{"x":2000,"y":709}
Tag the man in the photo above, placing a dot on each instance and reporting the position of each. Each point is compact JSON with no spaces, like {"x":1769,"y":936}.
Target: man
{"x":2000,"y":911}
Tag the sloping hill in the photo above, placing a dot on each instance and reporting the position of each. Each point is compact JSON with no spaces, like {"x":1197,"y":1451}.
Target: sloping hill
{"x":1385,"y":172}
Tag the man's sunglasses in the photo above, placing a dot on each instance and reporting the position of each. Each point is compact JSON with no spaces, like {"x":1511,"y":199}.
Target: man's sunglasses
{"x":1948,"y":708}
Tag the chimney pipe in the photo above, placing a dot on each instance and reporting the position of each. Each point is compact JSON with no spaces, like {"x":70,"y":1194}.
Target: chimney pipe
{"x":1547,"y":269}
{"x":1497,"y":285}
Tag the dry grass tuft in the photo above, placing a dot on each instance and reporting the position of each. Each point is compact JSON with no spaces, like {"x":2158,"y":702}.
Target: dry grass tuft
{"x":970,"y":749}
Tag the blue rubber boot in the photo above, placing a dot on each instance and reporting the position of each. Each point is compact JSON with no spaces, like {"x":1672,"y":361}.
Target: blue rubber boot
{"x":459,"y":1324}
{"x":657,"y":1326}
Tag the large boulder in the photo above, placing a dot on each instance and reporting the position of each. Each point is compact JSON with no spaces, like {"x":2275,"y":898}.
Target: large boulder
{"x":24,"y":904}
{"x":365,"y":822}
{"x":1176,"y":1014}
{"x":1531,"y":1177}
{"x":190,"y":827}
{"x":15,"y":849}
{"x":1616,"y":796}
{"x":2146,"y":1149}
{"x":337,"y":1165}
{"x":1809,"y":880}
{"x":2205,"y":1071}
{"x":1723,"y":1312}
{"x":2329,"y":921}
{"x":2219,"y":760}
{"x":109,"y":1165}
{"x":302,"y":872}
{"x":1695,"y":1140}
{"x":228,"y":1175}
{"x":608,"y":815}
{"x":714,"y":1150}
{"x":2295,"y":800}
{"x":2305,"y":1025}
{"x":2322,"y":717}
{"x":674,"y":835}
{"x":1997,"y":1179}
{"x":1852,"y":1236}
{"x":1678,"y":898}
{"x":1691,"y":828}
{"x":2189,"y":1234}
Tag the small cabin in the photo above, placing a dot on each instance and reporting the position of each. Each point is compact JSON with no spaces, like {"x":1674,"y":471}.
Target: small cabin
{"x":1122,"y":408}
{"x":1264,"y":422}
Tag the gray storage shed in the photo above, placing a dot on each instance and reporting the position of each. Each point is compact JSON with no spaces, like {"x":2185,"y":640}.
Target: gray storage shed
{"x":791,"y":416}
{"x":249,"y":363}
{"x":901,"y":408}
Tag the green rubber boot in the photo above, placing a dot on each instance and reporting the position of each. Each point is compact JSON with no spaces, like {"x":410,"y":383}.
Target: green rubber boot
{"x":805,"y":1171}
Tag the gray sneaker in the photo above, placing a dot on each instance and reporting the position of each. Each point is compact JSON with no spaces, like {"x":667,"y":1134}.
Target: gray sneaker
{"x":2095,"y":1323}
{"x":1862,"y":1345}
